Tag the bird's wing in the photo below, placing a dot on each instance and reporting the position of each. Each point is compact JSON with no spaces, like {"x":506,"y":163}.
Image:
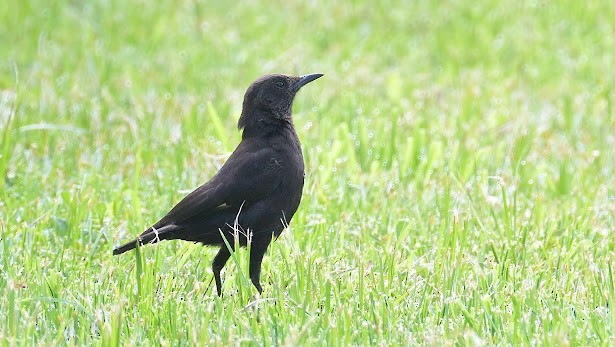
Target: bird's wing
{"x":246,"y":176}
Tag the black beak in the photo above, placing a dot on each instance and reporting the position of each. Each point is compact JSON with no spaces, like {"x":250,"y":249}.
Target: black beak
{"x":303,"y":80}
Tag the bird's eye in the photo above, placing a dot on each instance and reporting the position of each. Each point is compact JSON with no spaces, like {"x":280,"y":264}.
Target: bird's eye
{"x":280,"y":84}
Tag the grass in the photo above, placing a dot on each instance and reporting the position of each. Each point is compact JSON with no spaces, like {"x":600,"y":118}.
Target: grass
{"x":459,"y":185}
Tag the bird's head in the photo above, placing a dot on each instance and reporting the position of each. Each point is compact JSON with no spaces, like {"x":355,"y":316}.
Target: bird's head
{"x":269,"y":99}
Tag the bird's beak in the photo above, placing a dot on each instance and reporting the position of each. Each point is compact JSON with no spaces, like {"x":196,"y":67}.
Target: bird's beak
{"x":303,"y":80}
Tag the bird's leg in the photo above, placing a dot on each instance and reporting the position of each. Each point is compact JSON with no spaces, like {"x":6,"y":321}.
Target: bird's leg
{"x":256,"y":259}
{"x":218,"y":264}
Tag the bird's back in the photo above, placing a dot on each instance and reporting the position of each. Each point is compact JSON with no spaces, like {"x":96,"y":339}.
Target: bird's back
{"x":270,"y":172}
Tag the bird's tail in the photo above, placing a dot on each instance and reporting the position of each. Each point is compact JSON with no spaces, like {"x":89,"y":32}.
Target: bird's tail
{"x":126,"y":247}
{"x":150,"y":235}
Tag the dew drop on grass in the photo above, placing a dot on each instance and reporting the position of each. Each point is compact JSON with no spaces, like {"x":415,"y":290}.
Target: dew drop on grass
{"x":522,"y":162}
{"x":308,"y":125}
{"x":530,"y":182}
{"x":314,"y":109}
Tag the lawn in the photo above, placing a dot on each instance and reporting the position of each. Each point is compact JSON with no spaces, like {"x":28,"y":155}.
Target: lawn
{"x":460,"y":170}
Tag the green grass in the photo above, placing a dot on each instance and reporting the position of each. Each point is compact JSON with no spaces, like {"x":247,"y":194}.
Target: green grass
{"x":459,"y":188}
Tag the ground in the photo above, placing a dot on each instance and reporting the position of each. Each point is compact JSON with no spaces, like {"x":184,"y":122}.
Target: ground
{"x":459,"y":171}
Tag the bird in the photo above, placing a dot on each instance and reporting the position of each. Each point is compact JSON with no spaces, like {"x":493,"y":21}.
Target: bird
{"x":255,"y":193}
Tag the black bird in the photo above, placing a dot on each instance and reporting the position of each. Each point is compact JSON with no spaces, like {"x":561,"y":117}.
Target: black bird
{"x":257,"y":190}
